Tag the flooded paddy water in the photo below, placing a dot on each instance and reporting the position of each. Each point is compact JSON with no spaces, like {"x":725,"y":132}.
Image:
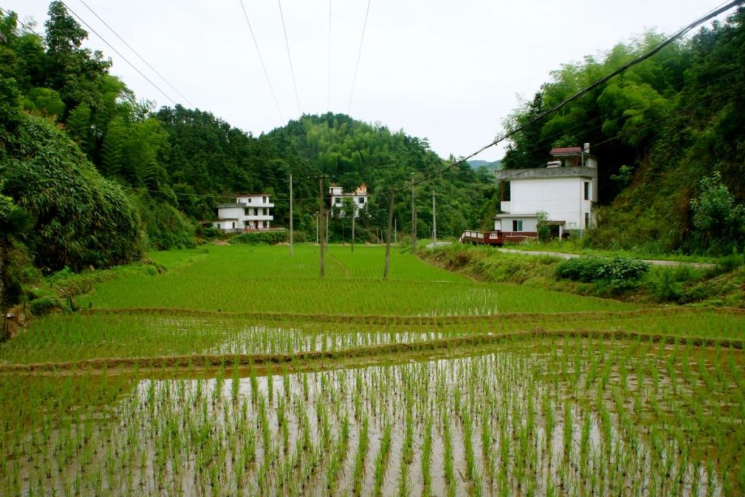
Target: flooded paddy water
{"x":552,"y":416}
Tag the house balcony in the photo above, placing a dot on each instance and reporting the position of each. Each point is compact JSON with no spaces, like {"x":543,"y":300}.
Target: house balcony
{"x":505,"y":206}
{"x":259,"y":217}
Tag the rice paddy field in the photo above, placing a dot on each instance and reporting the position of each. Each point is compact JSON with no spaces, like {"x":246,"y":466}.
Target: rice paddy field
{"x":238,"y":371}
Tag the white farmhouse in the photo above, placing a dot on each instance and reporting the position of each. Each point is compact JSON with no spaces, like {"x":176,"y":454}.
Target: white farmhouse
{"x":249,"y":212}
{"x":566,"y":190}
{"x":359,"y":197}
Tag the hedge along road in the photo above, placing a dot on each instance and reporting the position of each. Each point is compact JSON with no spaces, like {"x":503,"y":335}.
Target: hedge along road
{"x":654,"y":262}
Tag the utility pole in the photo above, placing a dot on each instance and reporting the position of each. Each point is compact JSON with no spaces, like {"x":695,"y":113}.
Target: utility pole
{"x":292,"y":236}
{"x":321,"y":215}
{"x":354,"y":215}
{"x":413,"y":215}
{"x":388,"y":238}
{"x":434,"y":220}
{"x":317,"y":221}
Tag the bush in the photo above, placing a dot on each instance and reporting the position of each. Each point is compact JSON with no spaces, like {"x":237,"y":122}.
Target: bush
{"x":584,"y":269}
{"x":610,"y":276}
{"x":622,"y":270}
{"x":166,"y":226}
{"x":260,"y":238}
{"x":44,"y":305}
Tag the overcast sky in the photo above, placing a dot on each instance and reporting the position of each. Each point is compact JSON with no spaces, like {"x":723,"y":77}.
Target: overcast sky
{"x":449,"y":71}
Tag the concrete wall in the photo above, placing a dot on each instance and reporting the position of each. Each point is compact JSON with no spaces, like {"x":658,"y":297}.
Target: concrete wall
{"x":561,"y":198}
{"x":230,"y":213}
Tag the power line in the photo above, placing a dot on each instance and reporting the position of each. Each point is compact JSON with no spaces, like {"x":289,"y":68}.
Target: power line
{"x":359,"y":56}
{"x":263,"y":66}
{"x":28,"y":28}
{"x":119,"y":54}
{"x":136,"y":53}
{"x":588,"y":88}
{"x":544,"y":142}
{"x":328,"y":74}
{"x":289,"y":57}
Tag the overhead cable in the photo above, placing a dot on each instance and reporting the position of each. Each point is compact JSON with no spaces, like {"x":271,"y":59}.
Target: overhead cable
{"x":261,"y":59}
{"x":119,"y":54}
{"x":289,"y":57}
{"x":136,"y":53}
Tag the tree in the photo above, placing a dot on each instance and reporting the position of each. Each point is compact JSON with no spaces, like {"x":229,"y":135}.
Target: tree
{"x":719,"y":222}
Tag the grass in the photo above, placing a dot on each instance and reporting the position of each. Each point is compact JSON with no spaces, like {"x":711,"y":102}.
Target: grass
{"x":429,"y":383}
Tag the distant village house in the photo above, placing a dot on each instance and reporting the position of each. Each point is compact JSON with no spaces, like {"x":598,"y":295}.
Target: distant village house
{"x":566,"y":190}
{"x":358,"y":197}
{"x":249,"y":212}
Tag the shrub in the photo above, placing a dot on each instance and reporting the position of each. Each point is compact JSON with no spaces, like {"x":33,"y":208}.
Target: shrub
{"x":610,"y":276}
{"x":621,"y":270}
{"x":44,"y":305}
{"x":584,"y":269}
{"x":260,"y":238}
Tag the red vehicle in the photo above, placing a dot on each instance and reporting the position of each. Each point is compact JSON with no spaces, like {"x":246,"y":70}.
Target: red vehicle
{"x":482,"y":238}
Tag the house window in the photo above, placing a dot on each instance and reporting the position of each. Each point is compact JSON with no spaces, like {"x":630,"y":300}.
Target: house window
{"x":362,"y":200}
{"x":338,"y":201}
{"x":249,"y":200}
{"x":517,"y":225}
{"x":587,"y":190}
{"x":233,"y":225}
{"x":218,"y":225}
{"x":264,"y":198}
{"x":587,"y":220}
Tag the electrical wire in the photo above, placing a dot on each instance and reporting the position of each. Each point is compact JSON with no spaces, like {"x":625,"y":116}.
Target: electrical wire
{"x":261,"y":59}
{"x":118,"y":53}
{"x":586,"y":89}
{"x":328,"y":73}
{"x":136,"y":53}
{"x":28,"y":28}
{"x":359,"y":56}
{"x":289,"y":57}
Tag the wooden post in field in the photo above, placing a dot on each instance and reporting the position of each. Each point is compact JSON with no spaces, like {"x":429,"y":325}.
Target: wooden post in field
{"x":413,"y":216}
{"x":292,"y":236}
{"x":354,"y":214}
{"x":434,"y":221}
{"x":388,"y":238}
{"x":321,"y":220}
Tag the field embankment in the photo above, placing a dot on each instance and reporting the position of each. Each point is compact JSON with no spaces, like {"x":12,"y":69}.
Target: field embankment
{"x":720,"y":284}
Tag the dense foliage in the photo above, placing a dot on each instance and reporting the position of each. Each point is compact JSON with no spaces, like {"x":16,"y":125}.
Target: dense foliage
{"x":80,"y":218}
{"x":661,"y":127}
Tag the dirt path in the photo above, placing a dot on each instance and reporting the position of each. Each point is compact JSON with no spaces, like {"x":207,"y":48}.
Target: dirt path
{"x":654,"y":262}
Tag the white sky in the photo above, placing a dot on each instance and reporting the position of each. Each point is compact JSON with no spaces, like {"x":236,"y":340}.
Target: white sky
{"x":449,"y":71}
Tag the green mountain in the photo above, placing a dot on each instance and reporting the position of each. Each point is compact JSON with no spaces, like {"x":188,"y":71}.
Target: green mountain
{"x":491,"y":166}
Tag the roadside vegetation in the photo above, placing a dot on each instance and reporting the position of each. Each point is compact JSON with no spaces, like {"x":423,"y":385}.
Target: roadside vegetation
{"x":606,"y":274}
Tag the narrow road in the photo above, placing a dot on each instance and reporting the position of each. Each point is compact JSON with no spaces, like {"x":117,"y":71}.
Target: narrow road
{"x":562,"y":255}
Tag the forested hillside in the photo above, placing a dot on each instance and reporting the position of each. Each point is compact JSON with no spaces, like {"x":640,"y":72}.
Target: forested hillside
{"x":669,"y":134}
{"x":92,"y":176}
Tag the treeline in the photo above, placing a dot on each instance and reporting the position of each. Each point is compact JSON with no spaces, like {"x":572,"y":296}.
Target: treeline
{"x":669,"y":134}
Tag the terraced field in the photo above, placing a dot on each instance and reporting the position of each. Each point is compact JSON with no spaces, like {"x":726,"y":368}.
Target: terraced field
{"x":237,"y":371}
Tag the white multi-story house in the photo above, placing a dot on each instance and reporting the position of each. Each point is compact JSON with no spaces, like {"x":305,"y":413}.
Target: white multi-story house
{"x":358,"y":196}
{"x":566,"y":190}
{"x":249,"y":212}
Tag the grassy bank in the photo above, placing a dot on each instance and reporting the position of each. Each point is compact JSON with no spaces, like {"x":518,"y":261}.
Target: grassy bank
{"x":722,"y":285}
